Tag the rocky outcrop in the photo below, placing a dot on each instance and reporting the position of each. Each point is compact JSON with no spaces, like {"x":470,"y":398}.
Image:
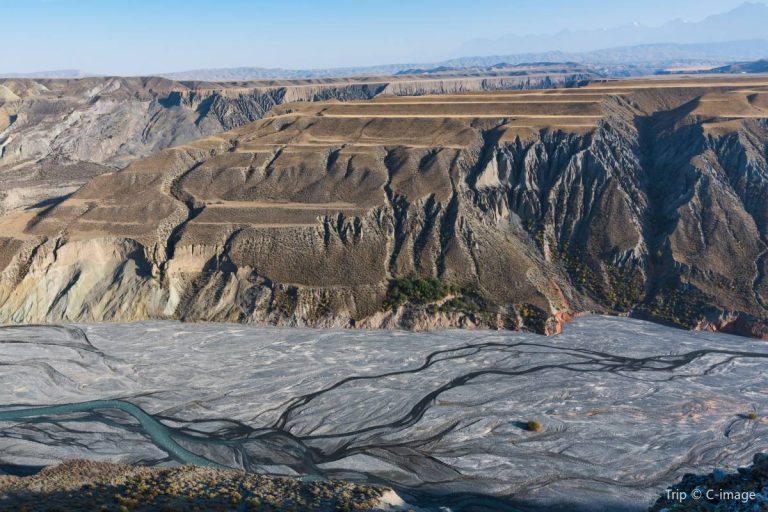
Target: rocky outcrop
{"x":511,"y":210}
{"x":85,"y":485}
{"x":743,"y":491}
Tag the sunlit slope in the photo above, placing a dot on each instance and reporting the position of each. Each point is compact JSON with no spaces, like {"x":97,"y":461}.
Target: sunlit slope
{"x":642,"y":196}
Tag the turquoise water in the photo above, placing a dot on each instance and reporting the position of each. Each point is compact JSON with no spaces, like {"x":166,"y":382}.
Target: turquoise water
{"x":160,"y":435}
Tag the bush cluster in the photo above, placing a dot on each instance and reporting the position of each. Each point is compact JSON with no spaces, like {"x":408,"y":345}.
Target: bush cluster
{"x":416,"y":290}
{"x":534,"y":426}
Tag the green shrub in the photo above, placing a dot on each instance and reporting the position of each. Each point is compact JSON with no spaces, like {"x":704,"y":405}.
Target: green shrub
{"x":534,"y":426}
{"x":416,"y":290}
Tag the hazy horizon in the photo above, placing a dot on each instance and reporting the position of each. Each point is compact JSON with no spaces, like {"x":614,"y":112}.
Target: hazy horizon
{"x":142,"y":38}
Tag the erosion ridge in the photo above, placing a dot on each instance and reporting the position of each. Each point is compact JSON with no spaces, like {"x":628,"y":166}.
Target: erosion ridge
{"x":507,"y":209}
{"x":55,"y":134}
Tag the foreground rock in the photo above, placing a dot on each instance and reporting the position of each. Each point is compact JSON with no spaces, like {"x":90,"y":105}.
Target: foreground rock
{"x":744,"y":491}
{"x":84,"y":485}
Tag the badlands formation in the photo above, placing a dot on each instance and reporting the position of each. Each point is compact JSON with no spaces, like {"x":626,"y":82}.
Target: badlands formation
{"x":56,"y":134}
{"x":505,"y":209}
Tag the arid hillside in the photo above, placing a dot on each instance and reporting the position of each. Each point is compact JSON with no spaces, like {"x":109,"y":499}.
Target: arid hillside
{"x":505,"y":209}
{"x":56,"y":134}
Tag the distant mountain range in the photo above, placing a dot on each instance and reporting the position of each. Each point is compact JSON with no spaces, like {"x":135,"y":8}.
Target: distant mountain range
{"x":735,"y":36}
{"x":758,"y":66}
{"x":618,"y":61}
{"x":58,"y":73}
{"x":748,"y":21}
{"x":654,"y":55}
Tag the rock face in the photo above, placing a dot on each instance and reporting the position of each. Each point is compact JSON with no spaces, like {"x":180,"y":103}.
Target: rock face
{"x":513,"y":209}
{"x":56,"y":134}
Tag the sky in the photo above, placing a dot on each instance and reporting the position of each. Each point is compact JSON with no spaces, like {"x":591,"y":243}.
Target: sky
{"x":130,"y":37}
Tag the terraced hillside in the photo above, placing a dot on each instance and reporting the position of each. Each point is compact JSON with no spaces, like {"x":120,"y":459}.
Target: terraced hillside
{"x":509,"y":209}
{"x":56,"y":134}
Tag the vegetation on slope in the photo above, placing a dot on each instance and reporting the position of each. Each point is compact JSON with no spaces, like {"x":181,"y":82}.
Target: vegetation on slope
{"x":415,"y":290}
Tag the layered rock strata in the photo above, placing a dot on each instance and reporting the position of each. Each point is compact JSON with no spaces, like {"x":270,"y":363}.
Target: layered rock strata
{"x":505,"y":209}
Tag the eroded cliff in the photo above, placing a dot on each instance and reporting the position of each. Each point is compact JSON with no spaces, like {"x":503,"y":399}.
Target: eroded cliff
{"x":55,"y":134}
{"x":505,"y":209}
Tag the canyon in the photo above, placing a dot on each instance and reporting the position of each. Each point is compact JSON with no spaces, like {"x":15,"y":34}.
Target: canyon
{"x":55,"y":134}
{"x":505,"y":209}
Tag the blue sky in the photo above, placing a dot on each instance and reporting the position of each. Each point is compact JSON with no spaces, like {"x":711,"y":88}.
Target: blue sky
{"x":146,"y":36}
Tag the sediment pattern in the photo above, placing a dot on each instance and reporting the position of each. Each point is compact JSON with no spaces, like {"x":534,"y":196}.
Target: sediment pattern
{"x":626,"y":406}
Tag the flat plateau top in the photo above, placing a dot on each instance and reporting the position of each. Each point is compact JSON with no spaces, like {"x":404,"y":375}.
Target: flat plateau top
{"x":566,"y":108}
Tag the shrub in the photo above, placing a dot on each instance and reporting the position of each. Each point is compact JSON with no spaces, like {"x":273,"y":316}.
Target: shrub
{"x":533,"y":317}
{"x":417,"y":290}
{"x":534,"y":426}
